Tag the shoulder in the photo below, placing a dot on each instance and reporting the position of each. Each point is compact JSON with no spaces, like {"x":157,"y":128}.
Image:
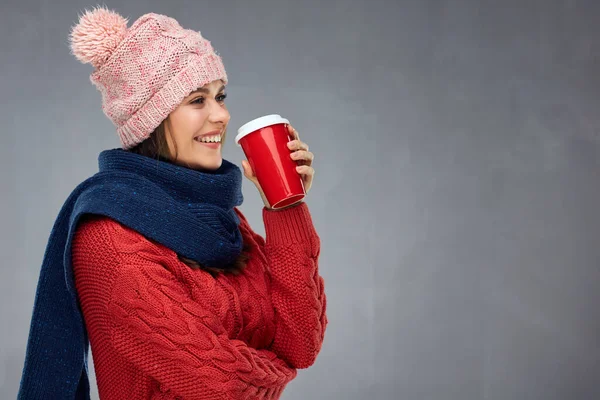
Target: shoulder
{"x":249,"y":235}
{"x":243,"y":219}
{"x":103,"y":234}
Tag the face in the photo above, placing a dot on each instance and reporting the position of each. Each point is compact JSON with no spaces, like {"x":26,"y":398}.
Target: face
{"x":196,"y":128}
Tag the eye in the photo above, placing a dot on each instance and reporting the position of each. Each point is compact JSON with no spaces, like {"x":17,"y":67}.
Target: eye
{"x":200,"y":100}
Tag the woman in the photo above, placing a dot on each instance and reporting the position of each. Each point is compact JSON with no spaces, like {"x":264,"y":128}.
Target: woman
{"x":151,"y":259}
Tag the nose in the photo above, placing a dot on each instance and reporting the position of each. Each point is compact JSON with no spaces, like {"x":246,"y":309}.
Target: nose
{"x":218,"y":113}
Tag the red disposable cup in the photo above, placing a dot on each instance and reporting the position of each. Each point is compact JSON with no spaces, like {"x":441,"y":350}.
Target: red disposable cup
{"x":264,"y":142}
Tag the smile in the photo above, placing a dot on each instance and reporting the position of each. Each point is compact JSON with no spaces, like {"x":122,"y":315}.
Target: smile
{"x":209,"y":139}
{"x":212,"y":145}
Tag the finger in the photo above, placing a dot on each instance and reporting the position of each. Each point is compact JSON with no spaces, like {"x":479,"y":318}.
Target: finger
{"x":302,"y":155}
{"x":297,"y":145}
{"x":305,"y":170}
{"x":293,"y":131}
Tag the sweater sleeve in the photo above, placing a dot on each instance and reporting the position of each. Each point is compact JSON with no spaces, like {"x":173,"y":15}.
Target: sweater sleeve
{"x":156,"y":325}
{"x":292,"y":249}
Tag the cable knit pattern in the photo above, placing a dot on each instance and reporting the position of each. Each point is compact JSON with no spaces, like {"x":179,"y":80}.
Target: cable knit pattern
{"x":160,"y":330}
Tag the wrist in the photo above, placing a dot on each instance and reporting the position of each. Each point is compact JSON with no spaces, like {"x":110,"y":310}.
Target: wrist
{"x":268,"y":208}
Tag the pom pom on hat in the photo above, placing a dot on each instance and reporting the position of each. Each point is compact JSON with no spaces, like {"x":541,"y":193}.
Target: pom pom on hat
{"x":96,"y":35}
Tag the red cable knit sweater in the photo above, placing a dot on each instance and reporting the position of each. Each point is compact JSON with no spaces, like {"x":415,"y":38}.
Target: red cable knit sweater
{"x":161,"y":330}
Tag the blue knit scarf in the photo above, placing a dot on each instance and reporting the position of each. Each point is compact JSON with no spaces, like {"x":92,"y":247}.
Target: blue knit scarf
{"x":186,"y":210}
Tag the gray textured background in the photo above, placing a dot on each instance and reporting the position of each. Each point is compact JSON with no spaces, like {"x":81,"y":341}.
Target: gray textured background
{"x":456,"y":189}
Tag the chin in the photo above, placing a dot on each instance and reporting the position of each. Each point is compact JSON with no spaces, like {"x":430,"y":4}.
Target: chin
{"x":201,"y":159}
{"x":209,"y":165}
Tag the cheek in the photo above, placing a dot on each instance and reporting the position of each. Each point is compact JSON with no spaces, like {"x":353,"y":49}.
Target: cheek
{"x":196,"y":120}
{"x":188,"y":123}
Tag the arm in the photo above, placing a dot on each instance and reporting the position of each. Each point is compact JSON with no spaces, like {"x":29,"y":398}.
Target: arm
{"x":157,"y":327}
{"x":292,"y":249}
{"x":154,"y":324}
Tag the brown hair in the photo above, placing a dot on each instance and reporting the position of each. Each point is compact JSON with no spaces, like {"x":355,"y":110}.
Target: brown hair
{"x":157,"y":147}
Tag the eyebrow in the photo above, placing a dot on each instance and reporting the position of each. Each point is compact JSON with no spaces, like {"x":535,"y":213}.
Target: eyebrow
{"x":205,"y":90}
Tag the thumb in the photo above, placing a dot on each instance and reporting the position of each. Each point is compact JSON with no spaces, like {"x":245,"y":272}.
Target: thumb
{"x":248,"y":170}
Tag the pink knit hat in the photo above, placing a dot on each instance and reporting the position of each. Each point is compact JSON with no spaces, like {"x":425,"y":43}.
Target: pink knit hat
{"x":143,"y":72}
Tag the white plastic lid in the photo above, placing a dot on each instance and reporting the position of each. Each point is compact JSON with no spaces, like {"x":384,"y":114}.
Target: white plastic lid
{"x":258,"y":123}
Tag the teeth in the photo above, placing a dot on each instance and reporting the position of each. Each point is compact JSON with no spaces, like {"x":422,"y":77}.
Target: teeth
{"x":211,"y":139}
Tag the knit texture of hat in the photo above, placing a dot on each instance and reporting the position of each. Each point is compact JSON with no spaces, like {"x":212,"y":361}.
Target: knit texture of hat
{"x":143,"y":72}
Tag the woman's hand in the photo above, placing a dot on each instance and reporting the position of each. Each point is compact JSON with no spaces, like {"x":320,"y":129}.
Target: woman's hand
{"x":303,"y":157}
{"x":249,"y":173}
{"x":299,"y":153}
